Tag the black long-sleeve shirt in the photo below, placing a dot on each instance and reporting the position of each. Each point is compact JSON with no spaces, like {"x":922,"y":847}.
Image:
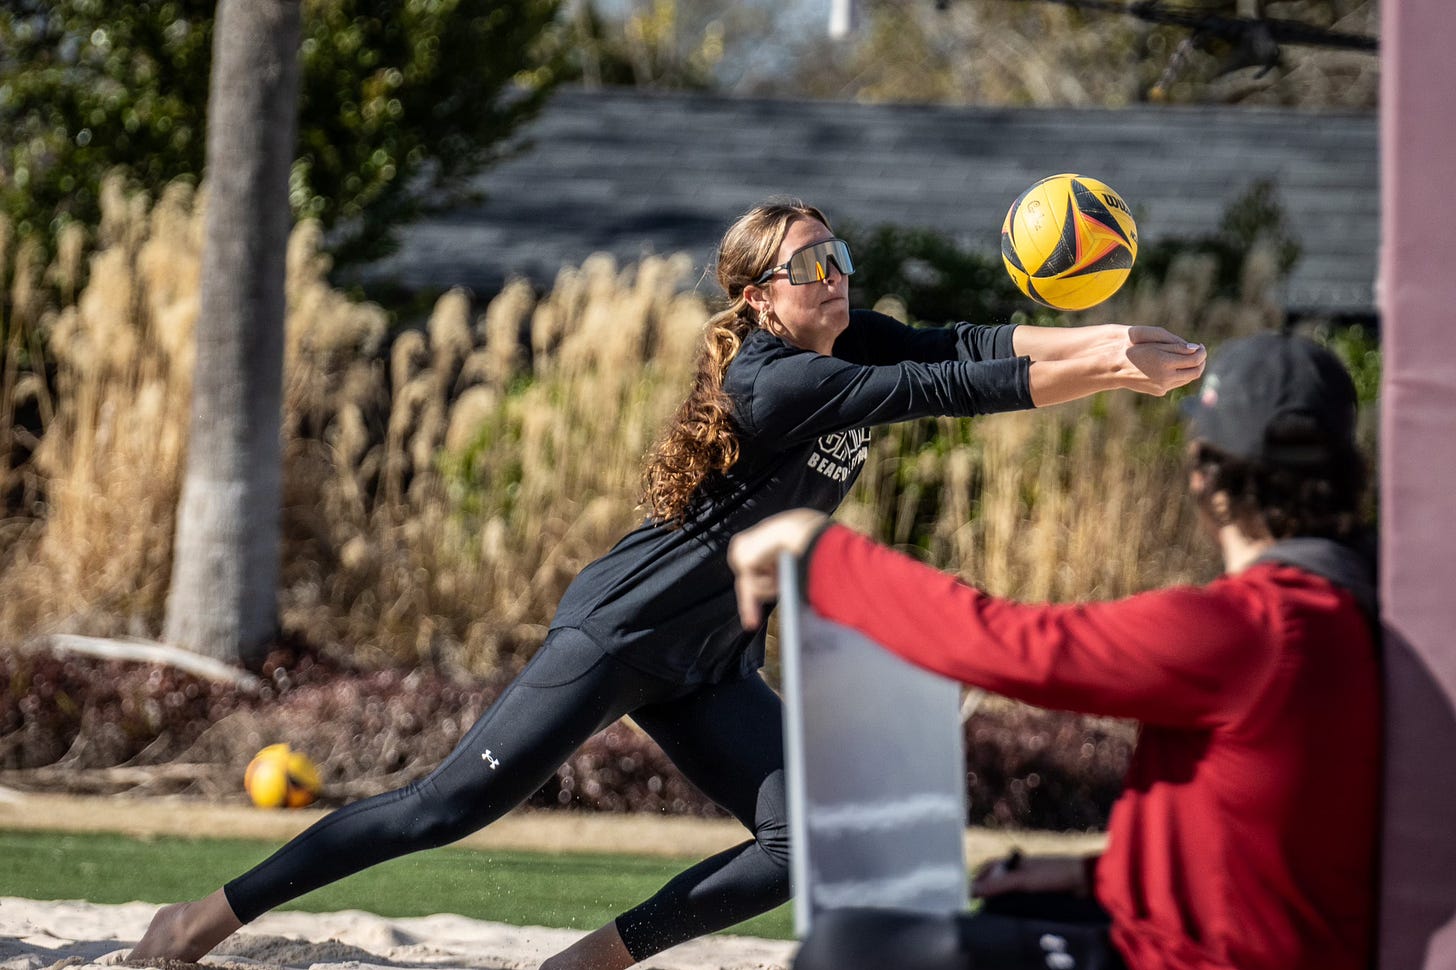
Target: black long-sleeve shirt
{"x":662,"y":598}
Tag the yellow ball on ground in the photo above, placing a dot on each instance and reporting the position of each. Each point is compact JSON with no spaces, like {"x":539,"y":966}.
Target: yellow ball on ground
{"x":279,"y":777}
{"x":266,"y":780}
{"x":1069,"y":242}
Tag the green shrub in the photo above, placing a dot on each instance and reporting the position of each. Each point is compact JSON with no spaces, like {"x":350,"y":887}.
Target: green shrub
{"x":935,"y":279}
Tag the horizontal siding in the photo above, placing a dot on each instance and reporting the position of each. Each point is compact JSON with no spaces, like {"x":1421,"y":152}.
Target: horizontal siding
{"x":624,"y":171}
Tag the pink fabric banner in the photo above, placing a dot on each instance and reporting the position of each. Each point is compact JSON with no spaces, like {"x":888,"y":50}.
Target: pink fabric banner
{"x":1417,"y":297}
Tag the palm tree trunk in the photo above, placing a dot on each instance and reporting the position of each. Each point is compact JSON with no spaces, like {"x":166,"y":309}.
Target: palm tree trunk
{"x":223,"y":597}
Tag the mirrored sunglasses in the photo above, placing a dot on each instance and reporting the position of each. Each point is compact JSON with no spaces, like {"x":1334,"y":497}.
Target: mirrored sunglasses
{"x":811,"y":264}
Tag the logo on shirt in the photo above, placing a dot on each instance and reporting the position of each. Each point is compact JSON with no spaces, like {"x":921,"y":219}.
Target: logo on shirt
{"x":839,"y":455}
{"x":491,"y":760}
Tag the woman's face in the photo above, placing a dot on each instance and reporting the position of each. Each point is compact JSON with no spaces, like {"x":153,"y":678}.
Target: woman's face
{"x":809,"y":315}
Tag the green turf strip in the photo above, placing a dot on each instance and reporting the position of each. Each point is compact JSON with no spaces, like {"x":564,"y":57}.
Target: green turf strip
{"x":522,"y":888}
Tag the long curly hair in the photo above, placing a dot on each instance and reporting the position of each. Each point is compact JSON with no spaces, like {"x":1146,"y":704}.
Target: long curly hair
{"x":701,"y":443}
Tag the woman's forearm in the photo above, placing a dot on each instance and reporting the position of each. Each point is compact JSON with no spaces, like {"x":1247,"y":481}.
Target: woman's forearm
{"x":1114,"y":357}
{"x":1060,"y":343}
{"x":1059,"y":381}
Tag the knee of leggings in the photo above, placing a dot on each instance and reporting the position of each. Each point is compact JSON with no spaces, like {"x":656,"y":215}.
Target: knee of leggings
{"x":771,"y":821}
{"x":774,"y":840}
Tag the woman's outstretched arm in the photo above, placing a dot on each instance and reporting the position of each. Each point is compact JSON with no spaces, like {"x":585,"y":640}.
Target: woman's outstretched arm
{"x":1060,"y":343}
{"x":1069,"y":363}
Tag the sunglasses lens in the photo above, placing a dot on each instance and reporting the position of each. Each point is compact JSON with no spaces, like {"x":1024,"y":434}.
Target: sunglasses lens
{"x":811,"y":264}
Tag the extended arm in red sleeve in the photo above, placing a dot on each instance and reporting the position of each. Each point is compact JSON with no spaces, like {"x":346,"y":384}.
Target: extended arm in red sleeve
{"x":1177,"y":657}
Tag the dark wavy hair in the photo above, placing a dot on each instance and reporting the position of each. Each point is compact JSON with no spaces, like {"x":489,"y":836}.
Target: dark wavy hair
{"x":1320,"y":500}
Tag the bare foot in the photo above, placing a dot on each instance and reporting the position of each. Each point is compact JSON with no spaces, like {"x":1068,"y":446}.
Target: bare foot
{"x":187,"y":931}
{"x":601,"y":949}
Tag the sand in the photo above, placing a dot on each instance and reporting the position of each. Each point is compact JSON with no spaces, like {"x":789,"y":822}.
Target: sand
{"x":48,"y":935}
{"x":36,"y":935}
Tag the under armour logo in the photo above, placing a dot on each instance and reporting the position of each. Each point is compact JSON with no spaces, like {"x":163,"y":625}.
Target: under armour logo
{"x":1055,"y":948}
{"x":493,"y":762}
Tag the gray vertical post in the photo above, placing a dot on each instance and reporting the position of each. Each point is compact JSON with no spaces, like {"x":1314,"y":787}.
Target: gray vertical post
{"x":876,"y":771}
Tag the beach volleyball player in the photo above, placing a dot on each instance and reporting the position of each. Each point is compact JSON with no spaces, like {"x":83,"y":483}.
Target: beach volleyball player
{"x":789,"y":383}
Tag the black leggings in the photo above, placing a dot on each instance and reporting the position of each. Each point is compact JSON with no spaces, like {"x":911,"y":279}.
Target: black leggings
{"x":725,"y":738}
{"x":1017,"y":931}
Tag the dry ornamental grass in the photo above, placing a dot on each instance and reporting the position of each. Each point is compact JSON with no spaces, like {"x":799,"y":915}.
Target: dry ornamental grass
{"x":444,"y":484}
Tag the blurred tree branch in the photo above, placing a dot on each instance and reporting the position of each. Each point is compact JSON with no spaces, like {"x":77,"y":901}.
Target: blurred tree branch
{"x":400,"y":104}
{"x":1280,"y":31}
{"x":1061,"y":53}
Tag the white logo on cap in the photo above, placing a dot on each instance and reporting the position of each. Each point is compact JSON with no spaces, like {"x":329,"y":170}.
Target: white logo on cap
{"x":1209,"y":395}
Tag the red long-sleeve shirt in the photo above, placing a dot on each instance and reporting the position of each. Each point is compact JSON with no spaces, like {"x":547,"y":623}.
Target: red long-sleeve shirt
{"x":1245,"y":837}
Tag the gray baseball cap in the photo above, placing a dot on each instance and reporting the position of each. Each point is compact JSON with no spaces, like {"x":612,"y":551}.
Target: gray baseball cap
{"x":1275,"y":398}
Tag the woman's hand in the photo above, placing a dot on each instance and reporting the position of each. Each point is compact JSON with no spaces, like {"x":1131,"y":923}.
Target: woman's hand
{"x":1151,"y":360}
{"x":1032,"y":874}
{"x":753,"y":555}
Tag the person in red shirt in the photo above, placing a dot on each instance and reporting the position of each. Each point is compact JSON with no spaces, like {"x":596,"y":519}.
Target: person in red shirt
{"x":1245,"y":837}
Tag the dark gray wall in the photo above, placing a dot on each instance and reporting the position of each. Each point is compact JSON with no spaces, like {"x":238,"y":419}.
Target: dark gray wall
{"x":627,"y":172}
